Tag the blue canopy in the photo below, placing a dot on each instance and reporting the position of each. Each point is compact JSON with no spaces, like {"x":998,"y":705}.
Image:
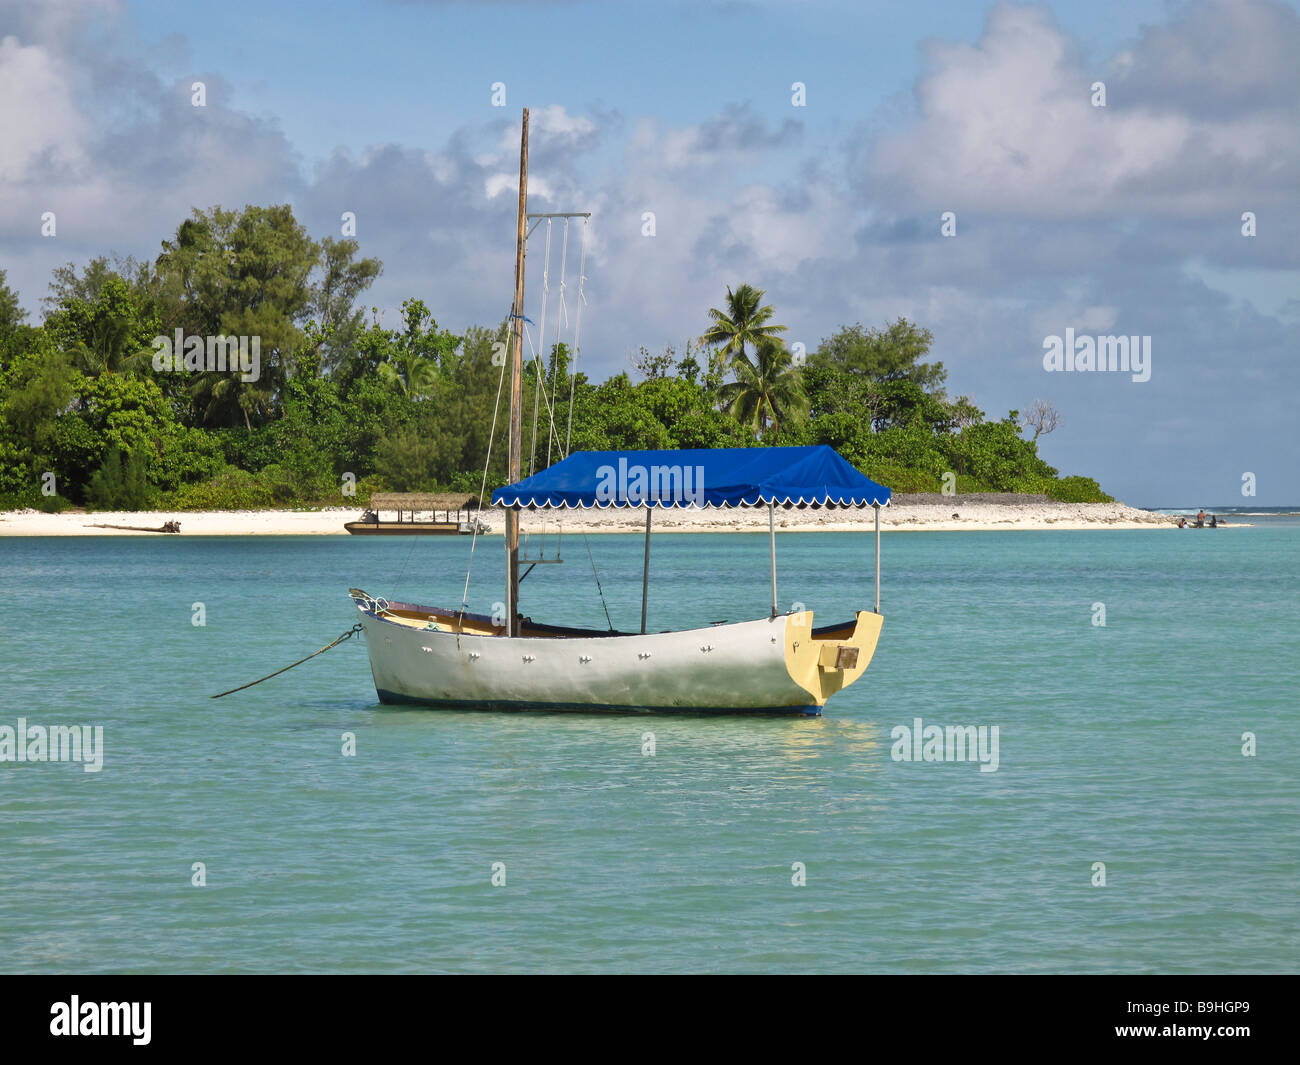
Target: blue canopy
{"x":720,"y":477}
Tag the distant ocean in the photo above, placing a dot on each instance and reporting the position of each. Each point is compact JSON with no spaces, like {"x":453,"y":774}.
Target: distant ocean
{"x":1155,"y":752}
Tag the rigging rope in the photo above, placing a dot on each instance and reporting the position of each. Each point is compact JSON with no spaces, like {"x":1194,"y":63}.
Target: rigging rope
{"x":560,"y":318}
{"x":577,"y":333}
{"x":599,"y":590}
{"x":546,"y":289}
{"x":536,"y":357}
{"x":546,"y":397}
{"x":464,"y":599}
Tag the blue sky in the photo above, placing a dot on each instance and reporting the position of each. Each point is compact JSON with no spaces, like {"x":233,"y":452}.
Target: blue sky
{"x":1122,"y":220}
{"x":413,"y":72}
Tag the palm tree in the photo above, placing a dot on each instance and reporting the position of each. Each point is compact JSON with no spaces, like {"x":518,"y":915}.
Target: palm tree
{"x":745,"y":322}
{"x":410,"y":373}
{"x":108,"y":348}
{"x":220,"y":395}
{"x":768,"y":389}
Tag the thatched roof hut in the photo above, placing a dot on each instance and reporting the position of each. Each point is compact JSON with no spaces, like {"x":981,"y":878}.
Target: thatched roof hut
{"x":413,"y":501}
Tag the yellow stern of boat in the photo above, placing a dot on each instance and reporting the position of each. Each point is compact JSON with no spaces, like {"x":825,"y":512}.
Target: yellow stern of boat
{"x":829,"y":662}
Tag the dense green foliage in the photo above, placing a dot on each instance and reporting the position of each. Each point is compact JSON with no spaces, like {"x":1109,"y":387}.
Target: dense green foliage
{"x":341,"y":407}
{"x":117,"y":485}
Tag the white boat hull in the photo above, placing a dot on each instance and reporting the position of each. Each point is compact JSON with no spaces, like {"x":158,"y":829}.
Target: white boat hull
{"x":773,"y":665}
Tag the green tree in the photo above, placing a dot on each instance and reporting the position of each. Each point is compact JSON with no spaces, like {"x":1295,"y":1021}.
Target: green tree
{"x":833,"y":391}
{"x":241,"y":274}
{"x":745,"y":323}
{"x":890,"y":354}
{"x":343,"y":277}
{"x":767,"y":391}
{"x":12,"y":315}
{"x":414,"y":458}
{"x":650,"y":365}
{"x":68,"y":286}
{"x":962,"y":414}
{"x":37,"y":384}
{"x":689,"y":368}
{"x":1003,"y":461}
{"x":109,"y":332}
{"x":117,"y":485}
{"x":413,"y":359}
{"x":417,"y":406}
{"x":479,"y":380}
{"x":309,"y":438}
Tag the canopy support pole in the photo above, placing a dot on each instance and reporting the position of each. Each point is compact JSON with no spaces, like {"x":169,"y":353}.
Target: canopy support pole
{"x":877,"y":508}
{"x":771,"y":532}
{"x":645,"y":571}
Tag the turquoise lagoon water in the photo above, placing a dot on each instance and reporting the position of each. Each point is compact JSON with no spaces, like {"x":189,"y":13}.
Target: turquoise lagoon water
{"x":1119,"y":744}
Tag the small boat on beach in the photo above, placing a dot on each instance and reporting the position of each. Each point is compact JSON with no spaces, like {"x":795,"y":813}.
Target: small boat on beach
{"x":447,"y":515}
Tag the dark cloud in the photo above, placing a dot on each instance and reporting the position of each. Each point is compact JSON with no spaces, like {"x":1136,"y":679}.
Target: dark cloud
{"x":1220,"y":59}
{"x":740,"y":129}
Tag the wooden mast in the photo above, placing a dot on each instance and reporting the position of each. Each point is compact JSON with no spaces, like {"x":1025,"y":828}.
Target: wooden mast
{"x":516,"y":392}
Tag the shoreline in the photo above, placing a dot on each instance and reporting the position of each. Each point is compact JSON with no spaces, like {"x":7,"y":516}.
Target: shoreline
{"x":952,"y":516}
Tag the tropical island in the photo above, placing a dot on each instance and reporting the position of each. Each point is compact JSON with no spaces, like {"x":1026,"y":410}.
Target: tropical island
{"x":115,"y":403}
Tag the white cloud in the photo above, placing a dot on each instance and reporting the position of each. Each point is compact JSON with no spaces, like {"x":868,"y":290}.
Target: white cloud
{"x":496,"y":184}
{"x":41,"y":127}
{"x":1007,"y":125}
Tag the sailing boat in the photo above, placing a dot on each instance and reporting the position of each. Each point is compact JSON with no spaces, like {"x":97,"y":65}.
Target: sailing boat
{"x":778,"y":664}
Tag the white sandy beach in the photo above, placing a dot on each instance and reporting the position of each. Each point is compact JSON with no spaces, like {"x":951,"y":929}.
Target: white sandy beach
{"x":952,"y":515}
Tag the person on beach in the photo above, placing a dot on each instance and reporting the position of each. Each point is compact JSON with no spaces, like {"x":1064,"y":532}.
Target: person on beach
{"x":1182,"y":522}
{"x":1200,"y":520}
{"x":1214,"y":522}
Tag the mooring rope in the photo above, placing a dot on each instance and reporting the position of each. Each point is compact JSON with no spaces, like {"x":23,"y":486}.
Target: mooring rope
{"x":347,"y":635}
